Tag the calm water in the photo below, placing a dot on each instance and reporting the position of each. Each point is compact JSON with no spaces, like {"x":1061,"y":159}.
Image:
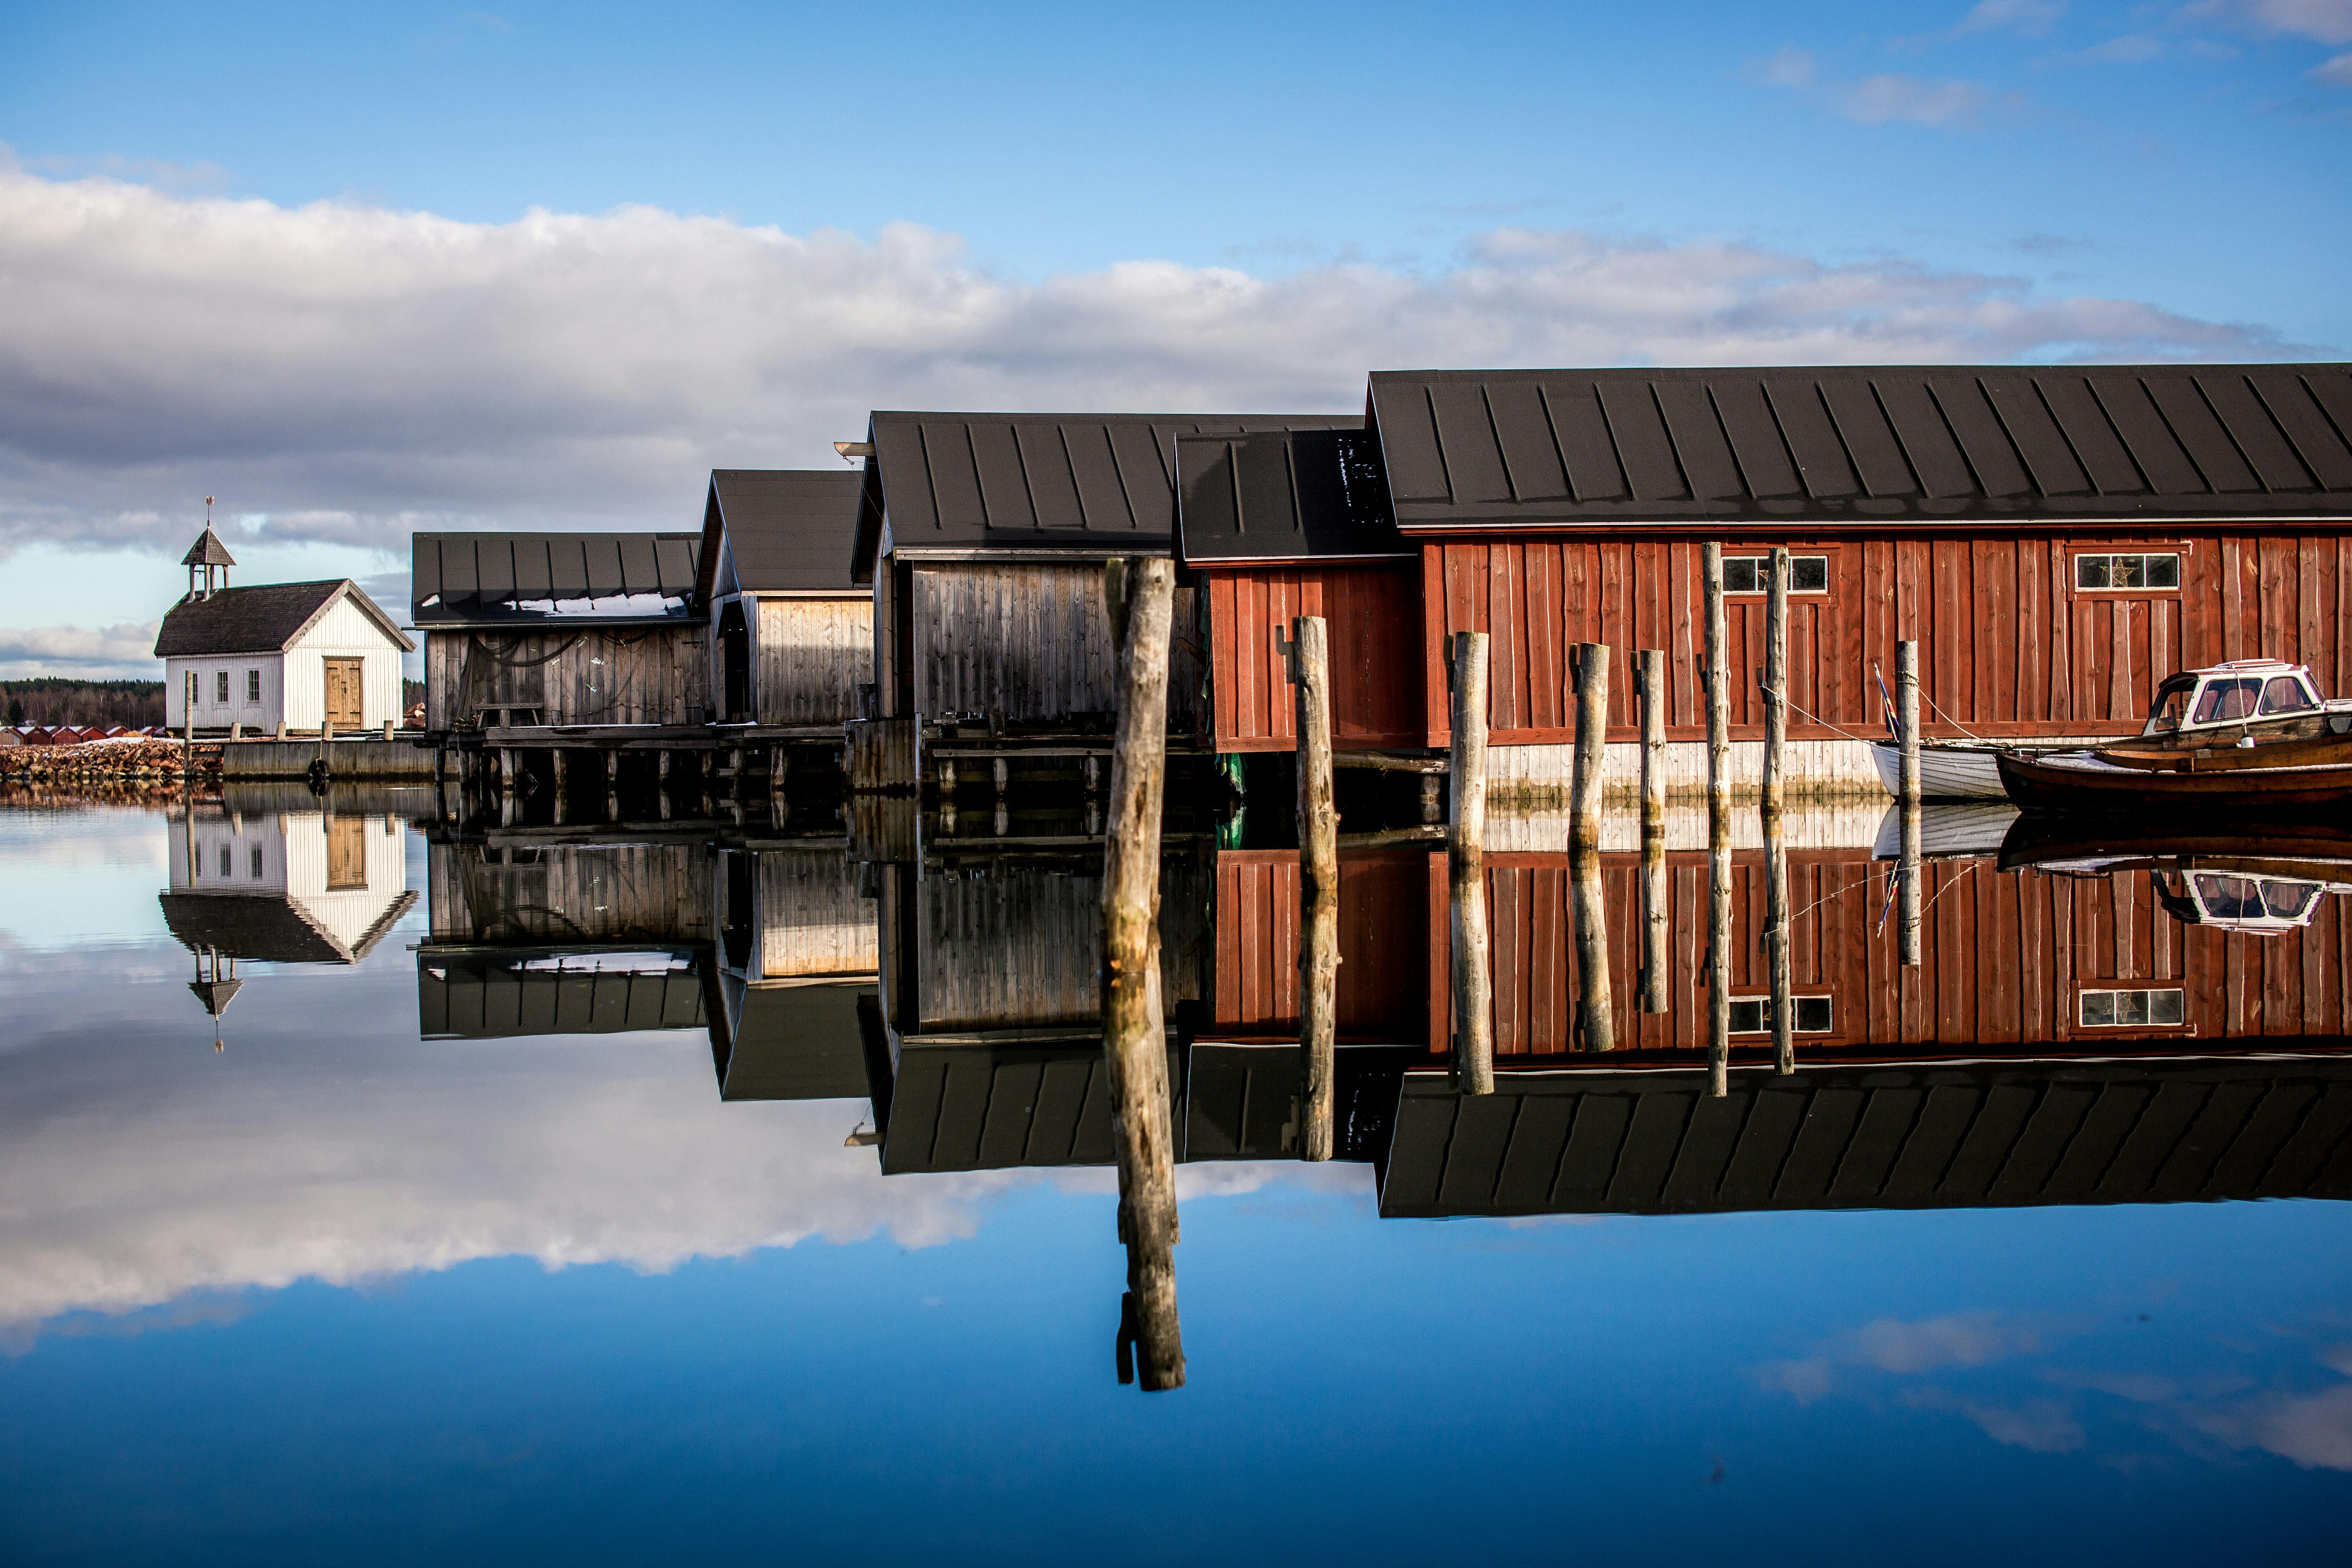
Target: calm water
{"x":540,"y":1197}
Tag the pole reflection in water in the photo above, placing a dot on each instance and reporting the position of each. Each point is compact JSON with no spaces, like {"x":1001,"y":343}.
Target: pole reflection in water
{"x":1718,"y":943}
{"x":1777,"y":937}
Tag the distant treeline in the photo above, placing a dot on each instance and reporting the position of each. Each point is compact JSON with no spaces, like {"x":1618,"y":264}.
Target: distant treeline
{"x":49,"y":701}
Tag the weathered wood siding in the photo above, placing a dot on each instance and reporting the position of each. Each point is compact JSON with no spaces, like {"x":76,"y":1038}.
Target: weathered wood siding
{"x":2003,"y":957}
{"x":2009,"y":646}
{"x":1375,"y":618}
{"x":1383,"y":958}
{"x":659,"y":894}
{"x":586,"y":675}
{"x":1019,"y":943}
{"x":812,"y":920}
{"x":1030,"y":643}
{"x":809,"y":657}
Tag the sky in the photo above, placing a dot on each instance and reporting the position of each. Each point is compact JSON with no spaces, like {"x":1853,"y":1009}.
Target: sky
{"x":361,"y":271}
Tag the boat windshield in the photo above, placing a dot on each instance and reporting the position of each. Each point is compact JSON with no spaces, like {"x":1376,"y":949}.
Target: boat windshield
{"x":2287,"y":694}
{"x":2171,"y":705}
{"x":2225,"y":701}
{"x":2231,"y":898}
{"x":2290,"y":900}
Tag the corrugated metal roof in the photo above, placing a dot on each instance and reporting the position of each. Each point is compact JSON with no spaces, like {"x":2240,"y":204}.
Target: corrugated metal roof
{"x":457,"y":579}
{"x":263,"y":618}
{"x":790,"y":1042}
{"x":1925,"y":443}
{"x":1029,"y":481}
{"x":496,"y":996}
{"x":1975,"y":1136}
{"x":267,"y":928}
{"x":1283,"y":495}
{"x":790,"y":529}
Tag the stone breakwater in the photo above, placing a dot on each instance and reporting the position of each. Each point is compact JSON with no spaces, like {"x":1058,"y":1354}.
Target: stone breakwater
{"x":142,"y":760}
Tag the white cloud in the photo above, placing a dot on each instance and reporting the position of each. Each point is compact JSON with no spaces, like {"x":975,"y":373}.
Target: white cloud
{"x":2031,"y":18}
{"x":73,"y":650}
{"x":347,"y":372}
{"x":2323,"y":21}
{"x":2337,"y":72}
{"x":1960,"y":1339}
{"x":1878,"y":100}
{"x":2038,"y":1425}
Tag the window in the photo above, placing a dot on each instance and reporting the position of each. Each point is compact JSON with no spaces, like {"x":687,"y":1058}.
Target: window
{"x":220,"y":687}
{"x":2287,"y":694}
{"x":1753,"y":1014}
{"x":252,"y":687}
{"x":2110,"y":572}
{"x":225,"y":865}
{"x":2132,"y":1010}
{"x":1753,"y":573}
{"x":257,"y":863}
{"x":2224,"y":701}
{"x":2227,"y":897}
{"x":191,"y":694}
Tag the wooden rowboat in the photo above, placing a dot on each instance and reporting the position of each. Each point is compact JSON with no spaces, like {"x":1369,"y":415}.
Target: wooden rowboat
{"x":2315,"y":781}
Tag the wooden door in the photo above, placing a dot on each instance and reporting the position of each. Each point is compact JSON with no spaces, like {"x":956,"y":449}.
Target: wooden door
{"x":346,"y":852}
{"x":344,"y":706}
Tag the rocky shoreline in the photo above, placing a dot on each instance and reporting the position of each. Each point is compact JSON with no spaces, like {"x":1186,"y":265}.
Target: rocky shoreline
{"x":141,"y":761}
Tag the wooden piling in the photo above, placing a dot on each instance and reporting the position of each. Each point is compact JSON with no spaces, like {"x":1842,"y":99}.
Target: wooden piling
{"x":1776,"y":680}
{"x":1474,"y":1023}
{"x":1718,"y":691}
{"x":1906,"y":729}
{"x":1657,"y":963}
{"x":1718,"y":948}
{"x":1318,"y":886}
{"x":1777,"y":915}
{"x":1650,"y":685}
{"x":1596,"y":1017}
{"x":1135,"y":1047}
{"x":1590,"y":663}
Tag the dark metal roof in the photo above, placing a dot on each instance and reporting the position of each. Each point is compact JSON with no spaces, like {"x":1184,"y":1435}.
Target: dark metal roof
{"x":1099,"y":482}
{"x":461,"y":579}
{"x":790,"y":529}
{"x":208,"y":550}
{"x":1283,"y":495}
{"x":790,"y":1042}
{"x":264,"y":618}
{"x":266,"y":927}
{"x":494,"y":997}
{"x":2013,"y":443}
{"x":1962,"y":1136}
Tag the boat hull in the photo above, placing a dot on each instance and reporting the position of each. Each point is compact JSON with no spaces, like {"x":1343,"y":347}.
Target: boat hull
{"x":2080,"y":783}
{"x":1946,"y":773}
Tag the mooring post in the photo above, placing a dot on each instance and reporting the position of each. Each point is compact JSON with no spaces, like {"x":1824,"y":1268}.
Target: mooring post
{"x":1589,"y":663}
{"x":1776,"y":680}
{"x":1135,"y":1042}
{"x":1650,"y":685}
{"x":1718,"y":948}
{"x":1718,"y":691}
{"x":1596,"y":1015}
{"x":1474,"y":1023}
{"x":1907,"y":726}
{"x":1776,"y":912}
{"x":1319,"y":885}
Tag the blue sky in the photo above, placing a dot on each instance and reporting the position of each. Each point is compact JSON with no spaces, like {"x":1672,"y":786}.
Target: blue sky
{"x":289,"y":254}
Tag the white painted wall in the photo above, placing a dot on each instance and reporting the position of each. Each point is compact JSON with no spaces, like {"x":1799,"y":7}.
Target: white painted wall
{"x":282,"y":856}
{"x":212,"y":715}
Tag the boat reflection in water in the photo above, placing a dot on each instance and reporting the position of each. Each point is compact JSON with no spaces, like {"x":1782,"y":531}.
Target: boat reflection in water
{"x":281,"y":877}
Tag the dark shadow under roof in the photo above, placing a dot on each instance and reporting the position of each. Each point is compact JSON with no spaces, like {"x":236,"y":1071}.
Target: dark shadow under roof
{"x":790,"y":1042}
{"x":1960,"y":1136}
{"x":1920,"y":443}
{"x":474,"y":995}
{"x":790,"y":530}
{"x":1098,"y":482}
{"x":1283,"y":495}
{"x":263,"y":618}
{"x":459,"y":579}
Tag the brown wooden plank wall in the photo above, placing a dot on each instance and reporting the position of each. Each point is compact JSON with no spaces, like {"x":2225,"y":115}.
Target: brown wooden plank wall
{"x":2003,"y":957}
{"x":2009,"y":646}
{"x":1374,"y":613}
{"x":1383,"y":955}
{"x":598,"y":894}
{"x":1030,"y":642}
{"x":811,"y":657}
{"x":586,"y":675}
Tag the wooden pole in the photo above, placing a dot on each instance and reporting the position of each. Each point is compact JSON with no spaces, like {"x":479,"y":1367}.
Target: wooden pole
{"x":1135,"y":1041}
{"x":1906,"y":724}
{"x":1650,"y":684}
{"x":1590,"y":663}
{"x":1474,"y":1023}
{"x":1319,"y":885}
{"x":1718,"y":691}
{"x":1718,"y":948}
{"x":1596,"y":1015}
{"x":1776,"y":680}
{"x":1655,"y":921}
{"x":1776,"y":906}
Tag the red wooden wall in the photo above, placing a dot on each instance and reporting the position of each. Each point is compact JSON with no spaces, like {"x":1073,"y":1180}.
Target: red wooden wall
{"x":1384,"y":970}
{"x":2008,"y":645}
{"x":1374,"y":613}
